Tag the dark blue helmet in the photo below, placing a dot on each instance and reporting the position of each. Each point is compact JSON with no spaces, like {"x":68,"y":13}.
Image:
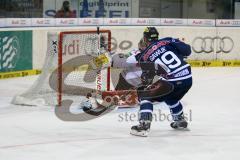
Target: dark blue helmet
{"x":151,"y":34}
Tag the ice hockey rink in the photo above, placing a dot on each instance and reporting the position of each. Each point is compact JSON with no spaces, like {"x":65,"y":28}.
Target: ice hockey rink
{"x":213,"y":103}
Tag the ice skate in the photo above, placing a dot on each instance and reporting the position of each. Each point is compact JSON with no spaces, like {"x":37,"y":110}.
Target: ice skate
{"x":142,"y":129}
{"x":179,"y":123}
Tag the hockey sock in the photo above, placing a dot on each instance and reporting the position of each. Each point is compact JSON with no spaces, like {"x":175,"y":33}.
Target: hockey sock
{"x":146,"y":109}
{"x":176,"y":109}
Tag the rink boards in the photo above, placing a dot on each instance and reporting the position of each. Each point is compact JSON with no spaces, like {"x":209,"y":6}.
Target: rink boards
{"x":211,"y":46}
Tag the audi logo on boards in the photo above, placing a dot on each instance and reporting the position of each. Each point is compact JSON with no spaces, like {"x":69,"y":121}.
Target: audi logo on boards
{"x":211,"y":44}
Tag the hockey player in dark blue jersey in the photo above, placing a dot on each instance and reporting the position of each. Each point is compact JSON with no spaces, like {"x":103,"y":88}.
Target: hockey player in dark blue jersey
{"x":164,"y":58}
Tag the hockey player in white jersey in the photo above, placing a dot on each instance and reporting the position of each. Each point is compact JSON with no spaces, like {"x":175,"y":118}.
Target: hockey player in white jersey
{"x":165,"y":58}
{"x":129,"y":77}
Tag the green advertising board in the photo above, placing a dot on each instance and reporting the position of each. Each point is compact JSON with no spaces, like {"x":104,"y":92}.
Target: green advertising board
{"x":15,"y":51}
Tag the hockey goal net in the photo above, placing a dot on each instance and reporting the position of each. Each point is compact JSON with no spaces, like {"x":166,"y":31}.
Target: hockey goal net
{"x":68,"y":68}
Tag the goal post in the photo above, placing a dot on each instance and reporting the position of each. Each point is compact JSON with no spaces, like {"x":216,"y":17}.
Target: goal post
{"x":63,"y":48}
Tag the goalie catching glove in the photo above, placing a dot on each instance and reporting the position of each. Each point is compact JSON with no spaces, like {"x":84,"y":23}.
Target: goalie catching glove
{"x":101,"y":61}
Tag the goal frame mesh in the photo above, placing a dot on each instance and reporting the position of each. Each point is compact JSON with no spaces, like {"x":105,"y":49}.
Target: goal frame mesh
{"x":60,"y":57}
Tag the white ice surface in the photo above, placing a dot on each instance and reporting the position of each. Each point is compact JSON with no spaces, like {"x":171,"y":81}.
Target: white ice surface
{"x":35,"y":133}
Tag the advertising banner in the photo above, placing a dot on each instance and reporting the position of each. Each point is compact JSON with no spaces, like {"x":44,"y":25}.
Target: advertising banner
{"x":2,"y":22}
{"x":173,"y":22}
{"x":145,"y":21}
{"x":66,"y":21}
{"x":43,"y":22}
{"x":90,"y":21}
{"x":116,"y":21}
{"x":201,"y":22}
{"x":228,"y":22}
{"x":15,"y":51}
{"x":207,"y":43}
{"x":87,"y":8}
{"x":18,"y":22}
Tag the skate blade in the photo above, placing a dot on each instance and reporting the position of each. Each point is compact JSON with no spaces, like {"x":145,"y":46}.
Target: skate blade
{"x":140,"y":134}
{"x":180,"y":127}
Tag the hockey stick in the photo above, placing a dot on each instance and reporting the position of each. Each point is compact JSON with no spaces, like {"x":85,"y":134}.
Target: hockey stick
{"x":98,"y":33}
